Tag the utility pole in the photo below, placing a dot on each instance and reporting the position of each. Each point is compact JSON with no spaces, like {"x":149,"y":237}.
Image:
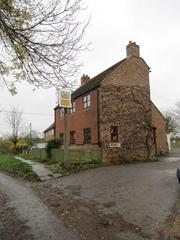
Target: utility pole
{"x":30,"y":133}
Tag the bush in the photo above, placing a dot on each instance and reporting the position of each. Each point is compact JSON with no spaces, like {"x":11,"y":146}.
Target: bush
{"x":6,"y":146}
{"x":52,"y":143}
{"x":21,"y":145}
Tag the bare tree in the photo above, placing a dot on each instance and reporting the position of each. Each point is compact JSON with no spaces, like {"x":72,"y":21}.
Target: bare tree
{"x":171,"y":123}
{"x":175,"y":115}
{"x":40,"y":40}
{"x":15,"y":121}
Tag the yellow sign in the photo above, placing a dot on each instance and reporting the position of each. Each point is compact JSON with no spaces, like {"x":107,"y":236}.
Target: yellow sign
{"x":65,"y":98}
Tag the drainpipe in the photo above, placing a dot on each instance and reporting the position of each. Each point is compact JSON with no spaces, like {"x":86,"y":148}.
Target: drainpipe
{"x":98,"y":131}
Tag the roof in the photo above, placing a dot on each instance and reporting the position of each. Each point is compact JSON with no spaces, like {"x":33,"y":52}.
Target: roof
{"x":50,"y":127}
{"x":95,"y":82}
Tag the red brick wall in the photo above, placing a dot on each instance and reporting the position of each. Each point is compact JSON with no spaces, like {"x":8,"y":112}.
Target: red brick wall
{"x":158,"y":121}
{"x":82,"y":118}
{"x":132,"y":72}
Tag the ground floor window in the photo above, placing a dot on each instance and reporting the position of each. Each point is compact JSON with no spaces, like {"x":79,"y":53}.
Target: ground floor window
{"x":72,"y":137}
{"x":114,"y":134}
{"x":154,"y":135}
{"x":87,"y":135}
{"x":61,"y":137}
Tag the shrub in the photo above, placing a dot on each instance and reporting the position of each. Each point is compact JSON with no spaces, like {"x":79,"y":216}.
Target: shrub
{"x":6,"y":146}
{"x":52,"y":143}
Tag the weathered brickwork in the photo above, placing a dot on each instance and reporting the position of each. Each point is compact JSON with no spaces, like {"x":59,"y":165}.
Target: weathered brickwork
{"x":128,"y":108}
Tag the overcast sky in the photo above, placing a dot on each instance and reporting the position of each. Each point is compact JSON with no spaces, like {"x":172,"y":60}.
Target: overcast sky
{"x":153,"y":24}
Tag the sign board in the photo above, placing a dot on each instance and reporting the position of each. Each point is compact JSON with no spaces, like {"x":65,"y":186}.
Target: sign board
{"x":115,"y":144}
{"x":65,"y":98}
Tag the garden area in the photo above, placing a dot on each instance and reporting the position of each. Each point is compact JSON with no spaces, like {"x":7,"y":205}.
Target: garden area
{"x":51,"y":155}
{"x":16,"y":168}
{"x":54,"y":153}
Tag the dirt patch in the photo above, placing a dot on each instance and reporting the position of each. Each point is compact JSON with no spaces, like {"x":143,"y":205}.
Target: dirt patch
{"x":11,"y":227}
{"x":85,"y":218}
{"x":171,"y":228}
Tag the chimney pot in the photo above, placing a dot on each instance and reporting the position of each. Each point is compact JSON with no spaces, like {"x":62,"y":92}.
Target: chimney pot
{"x":84,"y":79}
{"x":132,"y":49}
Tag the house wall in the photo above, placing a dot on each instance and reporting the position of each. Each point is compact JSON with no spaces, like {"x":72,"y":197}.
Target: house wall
{"x":132,"y":72}
{"x":159,"y":123}
{"x":123,"y":100}
{"x":118,"y":108}
{"x":49,"y":134}
{"x":82,"y":118}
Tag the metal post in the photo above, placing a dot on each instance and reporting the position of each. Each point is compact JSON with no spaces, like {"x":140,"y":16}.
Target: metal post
{"x":30,"y":133}
{"x":66,"y":160}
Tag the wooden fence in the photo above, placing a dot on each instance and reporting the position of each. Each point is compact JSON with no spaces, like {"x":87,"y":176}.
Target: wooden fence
{"x":76,"y":156}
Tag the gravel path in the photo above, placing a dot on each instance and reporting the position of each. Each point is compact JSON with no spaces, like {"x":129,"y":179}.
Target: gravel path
{"x":39,"y":168}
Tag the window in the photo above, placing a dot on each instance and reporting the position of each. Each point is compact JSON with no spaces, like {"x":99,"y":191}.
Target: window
{"x":87,"y":135}
{"x":61,"y":137}
{"x":154,"y":135}
{"x":61,"y":112}
{"x":114,"y":134}
{"x":73,"y":109}
{"x":86,"y":101}
{"x":72,"y":137}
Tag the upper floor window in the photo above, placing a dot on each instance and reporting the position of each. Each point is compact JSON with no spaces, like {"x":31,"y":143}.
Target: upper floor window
{"x":73,"y":109}
{"x":86,"y":101}
{"x":87,"y":135}
{"x":114,"y":134}
{"x":61,"y":112}
{"x":72,"y":137}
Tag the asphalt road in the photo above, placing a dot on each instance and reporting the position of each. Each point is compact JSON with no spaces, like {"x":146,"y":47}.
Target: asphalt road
{"x":142,"y":195}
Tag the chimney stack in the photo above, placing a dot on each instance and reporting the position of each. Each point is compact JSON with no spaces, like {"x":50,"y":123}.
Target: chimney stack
{"x":84,"y":79}
{"x":132,"y":49}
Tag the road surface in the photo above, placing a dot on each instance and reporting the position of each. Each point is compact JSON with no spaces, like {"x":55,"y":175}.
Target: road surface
{"x":126,"y":202}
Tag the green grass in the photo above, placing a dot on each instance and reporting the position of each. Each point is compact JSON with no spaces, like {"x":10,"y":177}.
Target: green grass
{"x":16,"y":168}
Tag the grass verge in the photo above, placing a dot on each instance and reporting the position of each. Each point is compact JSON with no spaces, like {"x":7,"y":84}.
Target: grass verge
{"x":17,"y":168}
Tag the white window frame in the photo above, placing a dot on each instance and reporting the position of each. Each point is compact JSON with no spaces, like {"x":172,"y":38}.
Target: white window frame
{"x":73,"y":109}
{"x":61,"y":112}
{"x":86,"y":101}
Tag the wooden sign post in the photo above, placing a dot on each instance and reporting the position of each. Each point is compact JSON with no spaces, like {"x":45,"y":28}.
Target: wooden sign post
{"x":65,"y":102}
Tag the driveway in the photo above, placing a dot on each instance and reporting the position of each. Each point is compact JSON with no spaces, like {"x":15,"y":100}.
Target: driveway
{"x":126,"y":202}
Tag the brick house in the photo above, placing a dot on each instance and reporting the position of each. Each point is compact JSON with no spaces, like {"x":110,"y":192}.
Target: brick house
{"x":114,"y":111}
{"x":49,"y":132}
